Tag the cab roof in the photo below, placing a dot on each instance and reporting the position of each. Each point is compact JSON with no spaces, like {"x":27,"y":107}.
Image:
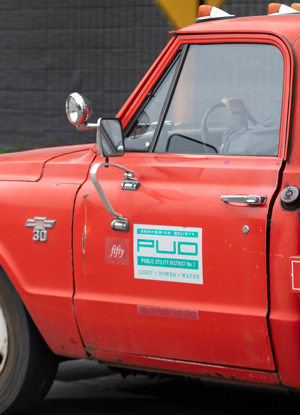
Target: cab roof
{"x":286,"y":25}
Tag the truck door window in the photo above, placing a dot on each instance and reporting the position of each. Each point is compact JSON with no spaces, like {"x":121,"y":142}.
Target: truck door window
{"x":246,"y":80}
{"x":141,"y":130}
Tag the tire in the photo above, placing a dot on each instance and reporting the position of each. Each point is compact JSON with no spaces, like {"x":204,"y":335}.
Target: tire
{"x":27,"y":365}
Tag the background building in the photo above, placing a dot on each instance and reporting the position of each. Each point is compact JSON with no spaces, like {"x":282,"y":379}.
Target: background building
{"x":100,"y":48}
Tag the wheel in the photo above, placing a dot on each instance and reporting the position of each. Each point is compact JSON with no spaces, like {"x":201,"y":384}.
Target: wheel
{"x":27,"y":365}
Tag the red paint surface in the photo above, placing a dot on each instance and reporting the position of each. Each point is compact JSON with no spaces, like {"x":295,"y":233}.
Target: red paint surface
{"x":28,"y":165}
{"x":42,"y":271}
{"x":232,"y":303}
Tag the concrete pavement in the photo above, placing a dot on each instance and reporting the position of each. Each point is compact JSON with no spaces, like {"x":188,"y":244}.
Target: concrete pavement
{"x":87,"y":388}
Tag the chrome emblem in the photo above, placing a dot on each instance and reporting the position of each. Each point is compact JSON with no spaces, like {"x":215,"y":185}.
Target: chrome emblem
{"x":40,"y":226}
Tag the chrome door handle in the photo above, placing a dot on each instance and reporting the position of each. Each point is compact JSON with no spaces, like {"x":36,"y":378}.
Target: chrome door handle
{"x":249,"y":199}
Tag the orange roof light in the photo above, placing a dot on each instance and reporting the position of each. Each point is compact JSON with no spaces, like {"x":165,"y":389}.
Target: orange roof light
{"x":274,"y":8}
{"x":296,"y":6}
{"x":278,"y":8}
{"x":204,"y":11}
{"x":211,"y":12}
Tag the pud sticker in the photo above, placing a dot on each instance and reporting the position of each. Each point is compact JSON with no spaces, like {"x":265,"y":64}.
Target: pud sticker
{"x":168,"y":253}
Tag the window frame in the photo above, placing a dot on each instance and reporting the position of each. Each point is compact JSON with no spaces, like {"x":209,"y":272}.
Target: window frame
{"x":176,"y":60}
{"x":184,"y":41}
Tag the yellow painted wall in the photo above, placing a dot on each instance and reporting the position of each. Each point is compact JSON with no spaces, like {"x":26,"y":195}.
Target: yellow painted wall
{"x":216,"y":3}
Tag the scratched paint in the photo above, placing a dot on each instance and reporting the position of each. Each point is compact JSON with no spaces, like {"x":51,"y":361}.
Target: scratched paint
{"x":167,"y":312}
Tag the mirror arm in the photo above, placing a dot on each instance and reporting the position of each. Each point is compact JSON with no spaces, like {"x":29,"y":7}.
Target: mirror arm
{"x":119,"y":223}
{"x":87,"y":126}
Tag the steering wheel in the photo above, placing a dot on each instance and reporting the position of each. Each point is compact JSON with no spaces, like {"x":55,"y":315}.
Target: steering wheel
{"x":205,"y":134}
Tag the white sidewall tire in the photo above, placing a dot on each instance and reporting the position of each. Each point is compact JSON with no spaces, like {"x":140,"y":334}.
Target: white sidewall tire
{"x":3,"y":340}
{"x":30,"y":366}
{"x":12,"y":376}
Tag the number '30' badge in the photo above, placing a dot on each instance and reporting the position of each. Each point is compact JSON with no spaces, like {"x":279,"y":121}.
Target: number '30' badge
{"x":40,"y":226}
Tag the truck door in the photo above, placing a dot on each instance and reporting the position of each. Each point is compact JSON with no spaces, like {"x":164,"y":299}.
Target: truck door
{"x":189,"y":279}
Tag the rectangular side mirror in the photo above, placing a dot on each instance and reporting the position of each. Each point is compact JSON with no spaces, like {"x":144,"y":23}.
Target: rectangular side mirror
{"x":110,"y":142}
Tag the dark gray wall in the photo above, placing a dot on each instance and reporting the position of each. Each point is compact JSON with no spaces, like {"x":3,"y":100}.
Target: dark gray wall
{"x":247,"y":7}
{"x":100,"y":48}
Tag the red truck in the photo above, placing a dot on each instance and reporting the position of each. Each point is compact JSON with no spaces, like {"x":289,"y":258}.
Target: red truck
{"x":181,"y":259}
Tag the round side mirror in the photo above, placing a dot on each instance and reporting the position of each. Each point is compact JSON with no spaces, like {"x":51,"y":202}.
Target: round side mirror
{"x":78,"y":109}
